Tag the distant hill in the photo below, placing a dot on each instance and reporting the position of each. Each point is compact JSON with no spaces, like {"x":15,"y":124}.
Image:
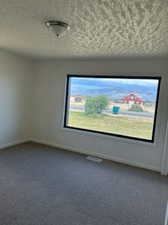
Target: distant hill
{"x":114,"y":90}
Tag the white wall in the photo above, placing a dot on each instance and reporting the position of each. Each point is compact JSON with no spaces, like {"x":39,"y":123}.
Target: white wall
{"x":49,"y":107}
{"x":32,"y":106}
{"x":15,"y":83}
{"x":165,"y":154}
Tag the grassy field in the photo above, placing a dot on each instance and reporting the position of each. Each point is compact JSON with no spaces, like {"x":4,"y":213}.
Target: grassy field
{"x":130,"y":126}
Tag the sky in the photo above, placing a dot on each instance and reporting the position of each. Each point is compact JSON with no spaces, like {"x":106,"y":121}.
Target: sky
{"x":144,"y":82}
{"x":114,"y":88}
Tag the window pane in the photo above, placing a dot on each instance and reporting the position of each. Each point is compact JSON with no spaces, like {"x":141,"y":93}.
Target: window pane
{"x":122,"y":106}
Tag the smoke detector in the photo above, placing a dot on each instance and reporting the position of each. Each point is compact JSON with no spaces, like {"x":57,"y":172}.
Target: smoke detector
{"x":57,"y":27}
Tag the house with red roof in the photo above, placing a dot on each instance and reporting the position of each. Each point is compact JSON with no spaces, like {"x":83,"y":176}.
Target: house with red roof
{"x":133,"y":99}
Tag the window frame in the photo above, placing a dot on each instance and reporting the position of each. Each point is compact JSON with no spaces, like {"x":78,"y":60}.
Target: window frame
{"x":66,"y":105}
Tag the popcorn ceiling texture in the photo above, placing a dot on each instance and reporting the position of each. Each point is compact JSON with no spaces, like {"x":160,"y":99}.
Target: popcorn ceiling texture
{"x":120,"y":27}
{"x":99,"y":28}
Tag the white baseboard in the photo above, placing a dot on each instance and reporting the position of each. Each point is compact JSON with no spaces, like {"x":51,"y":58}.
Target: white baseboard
{"x":166,"y":216}
{"x":100,"y":155}
{"x":10,"y":144}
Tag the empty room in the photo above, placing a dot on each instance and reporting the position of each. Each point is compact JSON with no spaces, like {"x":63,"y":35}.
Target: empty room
{"x":83,"y":112}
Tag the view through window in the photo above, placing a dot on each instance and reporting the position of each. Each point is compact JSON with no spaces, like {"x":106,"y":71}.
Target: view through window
{"x":120,"y":106}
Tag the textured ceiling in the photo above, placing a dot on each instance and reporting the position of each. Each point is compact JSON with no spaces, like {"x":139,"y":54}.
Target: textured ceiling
{"x":99,"y":28}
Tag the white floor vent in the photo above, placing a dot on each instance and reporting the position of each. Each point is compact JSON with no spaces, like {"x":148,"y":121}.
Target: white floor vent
{"x":166,"y":216}
{"x":94,"y":159}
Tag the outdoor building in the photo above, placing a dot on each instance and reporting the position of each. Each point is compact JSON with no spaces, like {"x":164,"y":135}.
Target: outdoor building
{"x":133,"y":99}
{"x":77,"y":99}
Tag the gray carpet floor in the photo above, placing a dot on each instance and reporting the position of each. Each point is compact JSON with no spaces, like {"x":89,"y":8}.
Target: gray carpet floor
{"x":40,"y":185}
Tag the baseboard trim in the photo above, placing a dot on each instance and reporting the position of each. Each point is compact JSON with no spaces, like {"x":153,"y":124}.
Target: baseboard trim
{"x":11,"y":144}
{"x":166,"y":216}
{"x":99,"y":155}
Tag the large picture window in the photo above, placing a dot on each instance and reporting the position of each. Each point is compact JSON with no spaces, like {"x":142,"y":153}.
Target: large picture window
{"x":124,"y":106}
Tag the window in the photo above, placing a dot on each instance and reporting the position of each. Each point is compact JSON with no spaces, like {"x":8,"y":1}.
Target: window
{"x":123,"y":106}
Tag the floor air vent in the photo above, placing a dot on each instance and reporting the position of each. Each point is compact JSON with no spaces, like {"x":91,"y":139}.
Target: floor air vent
{"x":94,"y":159}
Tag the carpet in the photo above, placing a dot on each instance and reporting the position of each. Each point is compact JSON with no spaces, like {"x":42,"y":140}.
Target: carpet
{"x":41,"y":185}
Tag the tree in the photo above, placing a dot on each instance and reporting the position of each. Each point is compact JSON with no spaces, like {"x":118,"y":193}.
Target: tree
{"x":95,"y":105}
{"x":136,"y":108}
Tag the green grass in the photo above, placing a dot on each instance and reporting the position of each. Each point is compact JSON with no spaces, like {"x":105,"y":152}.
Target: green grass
{"x":129,"y":126}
